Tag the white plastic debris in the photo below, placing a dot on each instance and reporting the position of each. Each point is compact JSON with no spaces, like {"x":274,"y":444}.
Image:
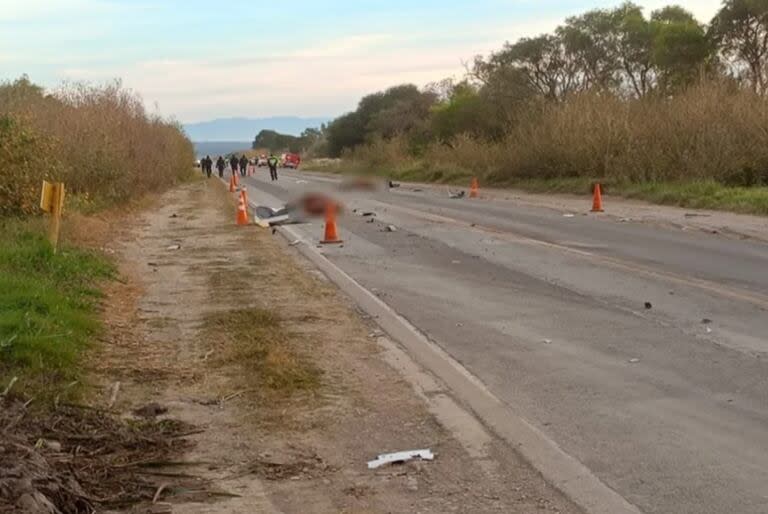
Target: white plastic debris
{"x":634,"y":361}
{"x":392,"y":458}
{"x":391,"y":228}
{"x":569,"y":215}
{"x":174,"y":247}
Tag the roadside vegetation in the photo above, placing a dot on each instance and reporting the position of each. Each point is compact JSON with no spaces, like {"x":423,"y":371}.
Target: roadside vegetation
{"x":659,"y":107}
{"x":107,"y":150}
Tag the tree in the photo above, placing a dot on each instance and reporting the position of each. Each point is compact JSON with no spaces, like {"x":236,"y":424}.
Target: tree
{"x":740,"y":30}
{"x":635,"y":49}
{"x":681,"y":48}
{"x":591,"y":40}
{"x":540,"y":62}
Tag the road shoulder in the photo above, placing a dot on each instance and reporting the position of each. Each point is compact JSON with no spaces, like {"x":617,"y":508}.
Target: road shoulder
{"x":271,"y":434}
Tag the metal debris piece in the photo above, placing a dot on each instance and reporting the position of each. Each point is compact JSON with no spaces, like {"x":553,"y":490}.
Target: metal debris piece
{"x":399,"y":457}
{"x":456,"y":196}
{"x":390,"y":228}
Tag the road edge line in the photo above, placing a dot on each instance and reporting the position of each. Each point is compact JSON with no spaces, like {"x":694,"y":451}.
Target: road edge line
{"x":560,"y":469}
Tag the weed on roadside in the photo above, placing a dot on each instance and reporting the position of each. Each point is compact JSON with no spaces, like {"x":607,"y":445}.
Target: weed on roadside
{"x":255,"y":340}
{"x":48,"y":304}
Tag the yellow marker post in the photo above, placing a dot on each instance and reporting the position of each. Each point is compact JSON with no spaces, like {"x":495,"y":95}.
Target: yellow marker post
{"x":52,"y":201}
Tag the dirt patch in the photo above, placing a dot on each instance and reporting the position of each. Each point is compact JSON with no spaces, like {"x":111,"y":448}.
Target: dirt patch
{"x":233,"y":332}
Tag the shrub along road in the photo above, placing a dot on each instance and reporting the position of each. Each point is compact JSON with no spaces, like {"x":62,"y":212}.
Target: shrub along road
{"x":636,"y":347}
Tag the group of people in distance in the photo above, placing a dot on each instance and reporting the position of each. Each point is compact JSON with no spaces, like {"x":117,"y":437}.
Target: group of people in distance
{"x":236,"y":165}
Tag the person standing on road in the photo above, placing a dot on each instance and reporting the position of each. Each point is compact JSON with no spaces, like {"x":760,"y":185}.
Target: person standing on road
{"x":233,"y":162}
{"x":208,"y":166}
{"x":272,"y":163}
{"x":243,"y":165}
{"x":220,"y":165}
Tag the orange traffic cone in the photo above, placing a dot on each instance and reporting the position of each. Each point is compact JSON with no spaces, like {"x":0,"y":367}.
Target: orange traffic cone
{"x":234,"y":176}
{"x":242,"y":212}
{"x":331,"y":234}
{"x":232,"y":184}
{"x":244,"y":195}
{"x":474,"y":190}
{"x":597,"y":202}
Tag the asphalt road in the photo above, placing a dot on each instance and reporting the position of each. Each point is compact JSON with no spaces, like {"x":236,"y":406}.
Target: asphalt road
{"x":668,"y":405}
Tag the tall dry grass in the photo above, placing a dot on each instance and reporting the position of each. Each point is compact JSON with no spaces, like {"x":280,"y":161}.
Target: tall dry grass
{"x":712,"y":132}
{"x":99,"y":140}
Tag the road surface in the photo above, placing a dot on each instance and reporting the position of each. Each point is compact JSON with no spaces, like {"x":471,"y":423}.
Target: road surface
{"x":667,"y":405}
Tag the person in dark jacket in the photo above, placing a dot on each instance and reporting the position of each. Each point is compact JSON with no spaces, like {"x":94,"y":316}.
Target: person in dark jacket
{"x":220,"y":165}
{"x":207,"y":166}
{"x":233,"y":163}
{"x":243,"y":165}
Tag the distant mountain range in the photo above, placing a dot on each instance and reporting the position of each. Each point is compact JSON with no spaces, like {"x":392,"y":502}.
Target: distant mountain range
{"x":245,"y":129}
{"x":216,"y":148}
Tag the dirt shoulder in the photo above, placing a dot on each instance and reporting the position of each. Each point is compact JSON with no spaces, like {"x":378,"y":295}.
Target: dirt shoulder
{"x":290,"y":389}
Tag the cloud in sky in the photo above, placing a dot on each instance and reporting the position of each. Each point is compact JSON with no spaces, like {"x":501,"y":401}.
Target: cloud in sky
{"x":199,"y":60}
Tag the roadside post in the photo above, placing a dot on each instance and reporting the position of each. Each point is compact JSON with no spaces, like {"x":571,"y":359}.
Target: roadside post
{"x":52,"y":202}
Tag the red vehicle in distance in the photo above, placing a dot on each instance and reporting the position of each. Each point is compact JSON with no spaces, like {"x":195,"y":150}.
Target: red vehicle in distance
{"x":291,"y":160}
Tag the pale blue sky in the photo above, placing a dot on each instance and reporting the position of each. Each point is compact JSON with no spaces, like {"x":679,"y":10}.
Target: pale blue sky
{"x":198,"y":59}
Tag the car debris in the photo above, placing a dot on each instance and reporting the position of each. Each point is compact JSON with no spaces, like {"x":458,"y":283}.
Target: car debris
{"x":456,"y":196}
{"x":648,"y":305}
{"x":393,"y":184}
{"x":174,"y":247}
{"x":400,"y":457}
{"x":390,"y":228}
{"x":634,"y":361}
{"x":569,"y":215}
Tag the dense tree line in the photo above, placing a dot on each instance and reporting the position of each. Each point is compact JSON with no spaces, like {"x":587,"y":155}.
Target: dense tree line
{"x":275,"y":142}
{"x":619,"y":53}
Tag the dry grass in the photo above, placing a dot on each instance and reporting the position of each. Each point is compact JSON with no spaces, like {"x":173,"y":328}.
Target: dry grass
{"x":255,"y":340}
{"x":705,"y":147}
{"x":99,"y":140}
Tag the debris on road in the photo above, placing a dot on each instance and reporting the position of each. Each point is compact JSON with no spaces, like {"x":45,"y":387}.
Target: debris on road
{"x":390,"y":228}
{"x":634,"y":361}
{"x":294,"y":243}
{"x":648,"y":305}
{"x":393,"y":184}
{"x":547,"y":341}
{"x":174,"y":247}
{"x":400,"y":457}
{"x":456,"y":196}
{"x":706,"y":321}
{"x":569,"y":215}
{"x":301,"y":182}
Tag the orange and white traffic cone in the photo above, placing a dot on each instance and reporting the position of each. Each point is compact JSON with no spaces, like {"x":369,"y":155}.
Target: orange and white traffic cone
{"x":232,"y":188}
{"x":331,"y":232}
{"x":597,"y":201}
{"x":244,"y":195}
{"x":474,"y":190}
{"x":242,"y":212}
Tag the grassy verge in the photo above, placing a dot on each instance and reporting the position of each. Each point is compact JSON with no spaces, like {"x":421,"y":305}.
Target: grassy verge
{"x":695,"y":195}
{"x":48,"y":308}
{"x":255,"y":340}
